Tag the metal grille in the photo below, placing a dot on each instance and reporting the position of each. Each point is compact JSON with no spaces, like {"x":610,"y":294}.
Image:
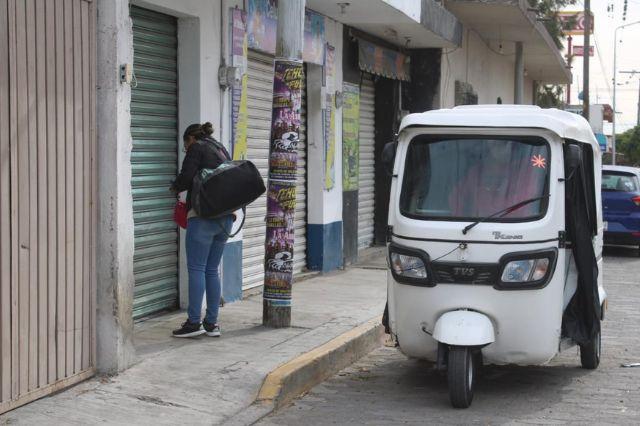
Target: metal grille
{"x":154,"y":160}
{"x":464,"y":273}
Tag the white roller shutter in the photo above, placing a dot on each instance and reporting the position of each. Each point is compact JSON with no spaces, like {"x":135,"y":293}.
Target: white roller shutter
{"x":260,"y":90}
{"x":300,"y":245}
{"x":367,"y":155}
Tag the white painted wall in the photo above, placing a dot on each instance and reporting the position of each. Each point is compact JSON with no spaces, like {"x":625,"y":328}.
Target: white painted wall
{"x":479,"y":63}
{"x":324,"y":206}
{"x":411,"y":8}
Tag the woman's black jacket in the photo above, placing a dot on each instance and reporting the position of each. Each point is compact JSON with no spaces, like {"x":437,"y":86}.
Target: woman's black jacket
{"x":204,"y":154}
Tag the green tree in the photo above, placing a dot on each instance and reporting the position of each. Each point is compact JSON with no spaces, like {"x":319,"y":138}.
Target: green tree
{"x":628,"y":144}
{"x":548,"y":10}
{"x":549,"y":96}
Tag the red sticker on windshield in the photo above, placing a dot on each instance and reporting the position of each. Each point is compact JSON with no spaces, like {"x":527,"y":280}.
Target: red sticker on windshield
{"x":539,"y":161}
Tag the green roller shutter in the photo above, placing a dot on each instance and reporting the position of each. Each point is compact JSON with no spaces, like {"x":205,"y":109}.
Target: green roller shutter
{"x":154,"y":160}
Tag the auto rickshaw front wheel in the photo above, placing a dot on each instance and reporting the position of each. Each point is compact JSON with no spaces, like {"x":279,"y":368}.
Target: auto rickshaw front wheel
{"x":461,"y":372}
{"x":590,"y":353}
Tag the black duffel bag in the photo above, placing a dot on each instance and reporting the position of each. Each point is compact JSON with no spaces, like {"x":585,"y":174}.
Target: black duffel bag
{"x":229,"y":187}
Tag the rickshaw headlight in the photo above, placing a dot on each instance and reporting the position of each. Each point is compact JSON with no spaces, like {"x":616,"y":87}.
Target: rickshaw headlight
{"x":520,"y":271}
{"x":408,"y":266}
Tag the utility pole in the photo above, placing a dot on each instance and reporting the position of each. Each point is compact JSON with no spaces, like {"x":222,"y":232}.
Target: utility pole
{"x":615,"y":86}
{"x":585,"y":56}
{"x":283,"y":159}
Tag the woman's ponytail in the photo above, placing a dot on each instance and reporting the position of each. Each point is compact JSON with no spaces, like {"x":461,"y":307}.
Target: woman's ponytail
{"x":199,"y":131}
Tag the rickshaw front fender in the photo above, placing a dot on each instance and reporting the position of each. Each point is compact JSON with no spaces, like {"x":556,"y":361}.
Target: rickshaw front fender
{"x":464,"y":328}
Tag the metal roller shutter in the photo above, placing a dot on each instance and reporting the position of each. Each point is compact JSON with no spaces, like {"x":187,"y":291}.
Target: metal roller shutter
{"x":367,"y":157}
{"x":300,"y":244}
{"x":259,"y":97}
{"x":154,"y":160}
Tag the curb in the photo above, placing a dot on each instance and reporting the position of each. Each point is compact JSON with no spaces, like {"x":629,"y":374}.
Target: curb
{"x":299,"y":375}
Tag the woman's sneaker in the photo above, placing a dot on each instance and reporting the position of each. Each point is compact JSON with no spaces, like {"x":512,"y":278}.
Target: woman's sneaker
{"x":188,"y":329}
{"x":212,"y":330}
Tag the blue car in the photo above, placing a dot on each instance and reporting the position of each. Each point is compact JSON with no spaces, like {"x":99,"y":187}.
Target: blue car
{"x":621,"y":205}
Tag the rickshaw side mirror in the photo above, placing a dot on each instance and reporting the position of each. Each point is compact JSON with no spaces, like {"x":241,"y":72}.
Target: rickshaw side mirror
{"x":389,"y":156}
{"x":573,"y":159}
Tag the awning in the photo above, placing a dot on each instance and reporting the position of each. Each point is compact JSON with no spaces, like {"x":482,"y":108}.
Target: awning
{"x":382,"y":61}
{"x":505,"y":21}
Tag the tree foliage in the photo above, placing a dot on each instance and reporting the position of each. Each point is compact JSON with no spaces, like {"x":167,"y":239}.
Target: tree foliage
{"x":548,"y":10}
{"x":628,"y":144}
{"x":549,"y":96}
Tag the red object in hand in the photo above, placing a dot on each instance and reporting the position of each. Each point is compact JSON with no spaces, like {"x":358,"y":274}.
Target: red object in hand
{"x":180,"y":214}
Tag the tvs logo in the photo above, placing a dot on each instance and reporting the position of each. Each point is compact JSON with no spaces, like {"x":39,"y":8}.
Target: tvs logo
{"x":459,"y":271}
{"x":500,"y":236}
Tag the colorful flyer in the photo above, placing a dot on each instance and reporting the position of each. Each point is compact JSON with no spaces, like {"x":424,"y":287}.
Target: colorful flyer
{"x":350,"y":136}
{"x":262,"y":25}
{"x":329,"y":120}
{"x":240,"y":115}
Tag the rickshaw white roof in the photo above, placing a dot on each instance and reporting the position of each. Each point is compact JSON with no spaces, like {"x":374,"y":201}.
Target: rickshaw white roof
{"x":567,"y":125}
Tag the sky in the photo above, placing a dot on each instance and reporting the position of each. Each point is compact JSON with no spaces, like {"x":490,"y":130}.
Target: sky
{"x":601,"y":65}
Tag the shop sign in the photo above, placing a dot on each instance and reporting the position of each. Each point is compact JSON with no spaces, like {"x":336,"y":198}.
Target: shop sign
{"x":573,"y":23}
{"x":579,"y":51}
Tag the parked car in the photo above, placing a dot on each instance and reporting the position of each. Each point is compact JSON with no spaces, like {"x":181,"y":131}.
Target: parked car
{"x":621,"y":205}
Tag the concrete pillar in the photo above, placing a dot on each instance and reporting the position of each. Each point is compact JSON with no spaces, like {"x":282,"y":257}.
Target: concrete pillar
{"x":518,"y":97}
{"x":324,"y":217}
{"x":114,"y":323}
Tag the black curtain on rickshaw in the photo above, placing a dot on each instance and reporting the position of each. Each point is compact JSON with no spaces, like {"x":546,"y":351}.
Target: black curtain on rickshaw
{"x":581,"y":318}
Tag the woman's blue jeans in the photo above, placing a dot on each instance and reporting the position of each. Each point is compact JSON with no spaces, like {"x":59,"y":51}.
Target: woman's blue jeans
{"x":205,"y":243}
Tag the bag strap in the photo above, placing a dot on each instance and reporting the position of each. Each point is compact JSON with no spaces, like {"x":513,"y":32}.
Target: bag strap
{"x":244,"y":217}
{"x":217,"y":148}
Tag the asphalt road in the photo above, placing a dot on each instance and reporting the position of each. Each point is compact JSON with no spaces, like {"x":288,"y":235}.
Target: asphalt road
{"x":387,"y":388}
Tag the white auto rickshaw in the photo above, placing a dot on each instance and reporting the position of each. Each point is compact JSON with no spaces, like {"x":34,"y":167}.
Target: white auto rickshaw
{"x":495,"y":239}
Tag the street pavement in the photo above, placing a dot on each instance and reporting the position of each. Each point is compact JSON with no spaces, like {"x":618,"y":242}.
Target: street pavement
{"x":387,"y":388}
{"x":206,"y":381}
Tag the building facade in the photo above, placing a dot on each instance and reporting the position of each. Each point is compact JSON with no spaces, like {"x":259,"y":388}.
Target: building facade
{"x":130,"y":76}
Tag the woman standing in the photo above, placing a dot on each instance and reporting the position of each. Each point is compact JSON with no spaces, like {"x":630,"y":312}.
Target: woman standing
{"x":205,"y":238}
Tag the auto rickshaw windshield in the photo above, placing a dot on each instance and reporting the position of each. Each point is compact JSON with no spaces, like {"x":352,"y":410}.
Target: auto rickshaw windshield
{"x":471,"y":178}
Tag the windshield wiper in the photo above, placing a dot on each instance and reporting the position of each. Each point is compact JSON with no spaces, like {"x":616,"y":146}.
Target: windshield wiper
{"x":504,"y":212}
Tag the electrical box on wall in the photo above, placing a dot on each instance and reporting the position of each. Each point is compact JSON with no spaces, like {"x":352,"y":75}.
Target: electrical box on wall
{"x":229,"y":76}
{"x":126,"y":73}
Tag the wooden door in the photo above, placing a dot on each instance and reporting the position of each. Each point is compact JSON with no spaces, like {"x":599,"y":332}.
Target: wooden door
{"x":47,"y":197}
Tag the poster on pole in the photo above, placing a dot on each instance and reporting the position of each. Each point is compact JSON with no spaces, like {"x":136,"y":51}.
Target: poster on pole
{"x":329,"y":120}
{"x":281,"y":194}
{"x":281,"y":202}
{"x":350,"y":136}
{"x":240,"y":115}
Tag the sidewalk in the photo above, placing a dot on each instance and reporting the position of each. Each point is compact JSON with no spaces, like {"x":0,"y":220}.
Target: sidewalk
{"x":207,"y":380}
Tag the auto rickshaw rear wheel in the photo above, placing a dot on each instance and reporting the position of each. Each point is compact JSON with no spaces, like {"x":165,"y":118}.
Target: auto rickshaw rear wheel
{"x":590,"y":353}
{"x":461,"y":372}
